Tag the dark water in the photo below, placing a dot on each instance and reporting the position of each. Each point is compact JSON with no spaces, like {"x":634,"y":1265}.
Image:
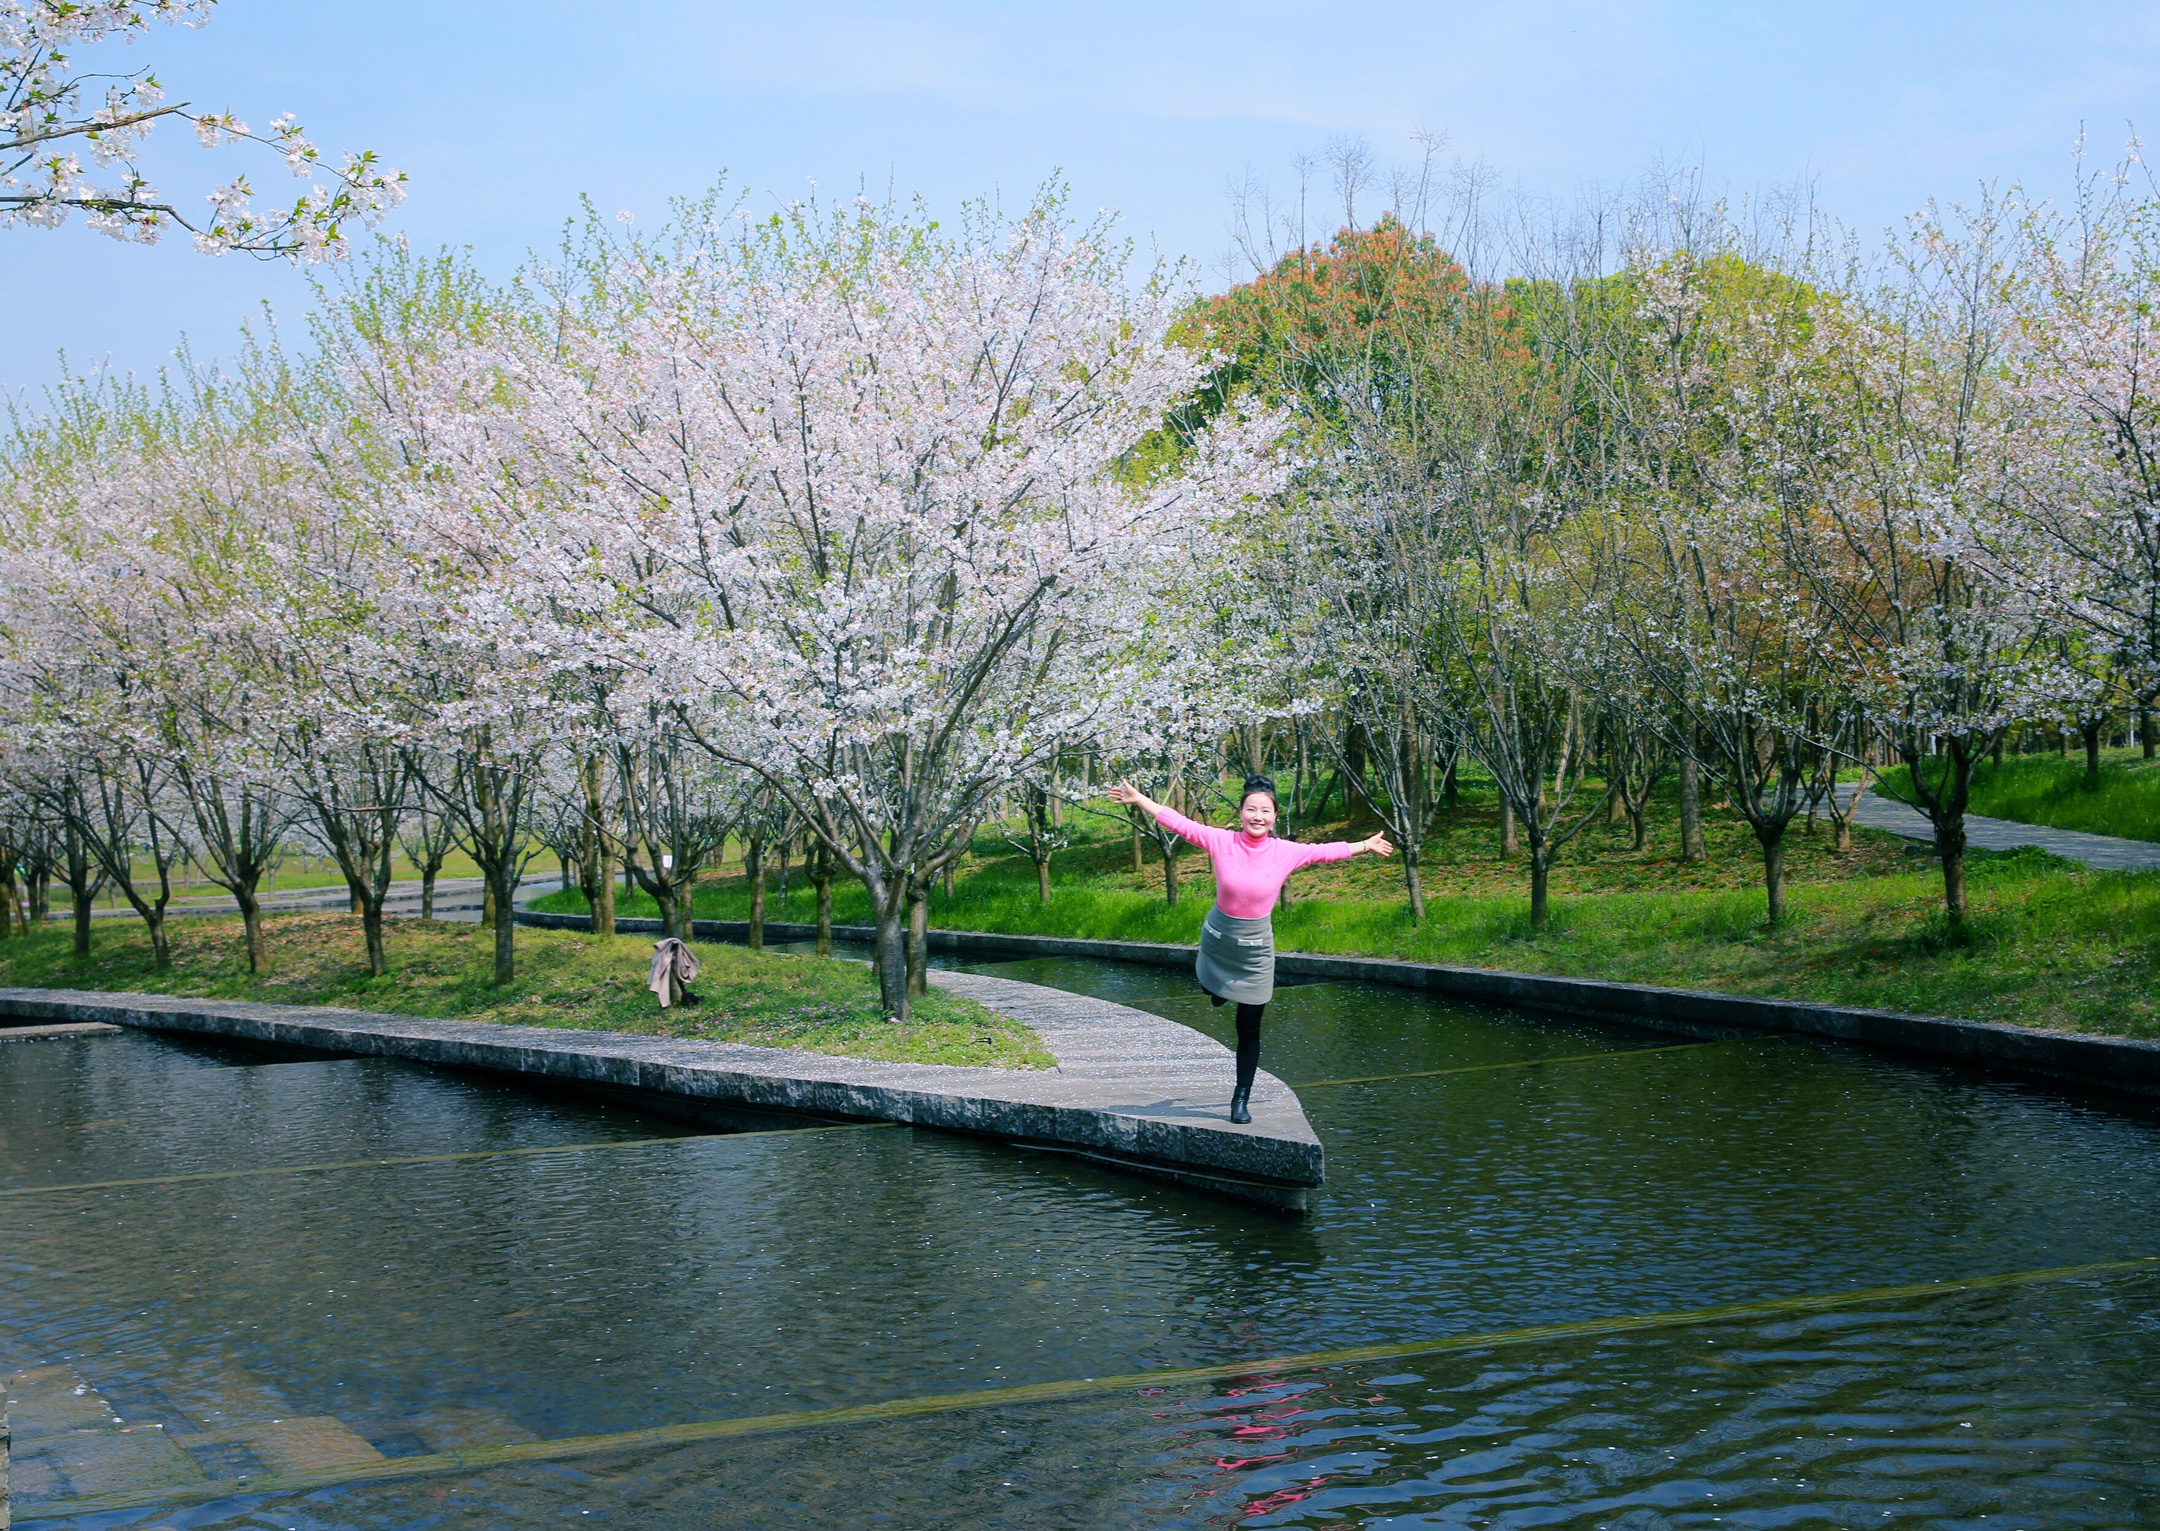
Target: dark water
{"x":475,"y":1301}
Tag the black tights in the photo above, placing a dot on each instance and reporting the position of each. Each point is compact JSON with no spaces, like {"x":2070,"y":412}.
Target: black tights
{"x":1248,"y":1040}
{"x":1248,"y":1043}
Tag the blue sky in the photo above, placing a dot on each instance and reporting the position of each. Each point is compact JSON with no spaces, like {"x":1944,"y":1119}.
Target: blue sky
{"x":1153,"y":109}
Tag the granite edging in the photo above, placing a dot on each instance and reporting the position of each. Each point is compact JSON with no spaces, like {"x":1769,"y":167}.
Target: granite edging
{"x":2115,"y":1063}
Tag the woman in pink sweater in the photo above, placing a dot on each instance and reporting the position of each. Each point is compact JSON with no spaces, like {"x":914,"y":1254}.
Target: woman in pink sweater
{"x":1237,"y":940}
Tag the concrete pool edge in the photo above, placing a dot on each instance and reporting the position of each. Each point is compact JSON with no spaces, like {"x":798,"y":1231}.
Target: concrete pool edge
{"x":1131,"y":1091}
{"x":2113,"y":1063}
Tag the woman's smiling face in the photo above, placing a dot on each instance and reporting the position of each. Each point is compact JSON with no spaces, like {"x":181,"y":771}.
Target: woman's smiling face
{"x":1256,"y":815}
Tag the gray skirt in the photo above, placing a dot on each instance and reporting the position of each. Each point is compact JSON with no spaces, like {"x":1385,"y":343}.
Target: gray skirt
{"x":1237,"y":958}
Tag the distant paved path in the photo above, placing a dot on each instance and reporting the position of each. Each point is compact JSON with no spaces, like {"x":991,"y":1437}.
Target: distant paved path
{"x":456,"y":899}
{"x":2106,"y":852}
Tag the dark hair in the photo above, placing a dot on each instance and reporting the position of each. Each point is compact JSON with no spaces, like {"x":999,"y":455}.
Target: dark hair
{"x":1258,"y":784}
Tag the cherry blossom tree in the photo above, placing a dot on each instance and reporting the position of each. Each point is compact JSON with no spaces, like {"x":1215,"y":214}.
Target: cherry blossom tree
{"x":2087,"y":503}
{"x":1718,"y":391}
{"x":1904,"y":531}
{"x":83,"y":601}
{"x":1371,"y":641}
{"x":850,"y":486}
{"x":426,"y":685}
{"x":47,"y":126}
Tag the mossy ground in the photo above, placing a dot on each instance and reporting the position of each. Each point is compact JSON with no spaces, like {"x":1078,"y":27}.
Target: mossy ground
{"x":564,"y":979}
{"x":2050,"y":943}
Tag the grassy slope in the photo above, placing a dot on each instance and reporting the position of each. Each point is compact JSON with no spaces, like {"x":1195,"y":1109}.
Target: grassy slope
{"x":2045,"y":789}
{"x":2052,"y":944}
{"x":564,"y":979}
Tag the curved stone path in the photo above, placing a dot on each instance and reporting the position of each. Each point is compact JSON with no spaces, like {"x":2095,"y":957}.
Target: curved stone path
{"x":2106,"y":852}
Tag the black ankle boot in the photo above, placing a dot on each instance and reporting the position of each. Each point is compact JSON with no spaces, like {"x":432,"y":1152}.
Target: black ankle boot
{"x":1238,"y":1097}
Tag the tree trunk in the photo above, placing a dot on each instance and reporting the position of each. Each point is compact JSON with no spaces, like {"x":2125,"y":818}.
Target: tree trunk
{"x":251,"y":926}
{"x":918,"y":942}
{"x":753,"y":860}
{"x":1773,"y":868}
{"x":1950,"y":846}
{"x":41,"y":895}
{"x":378,"y":953}
{"x":2146,"y":742}
{"x":1169,"y":876}
{"x":890,"y":956}
{"x":498,"y":889}
{"x":1139,"y":863}
{"x":604,"y":910}
{"x":1540,"y":886}
{"x":1450,"y":787}
{"x":1510,"y":840}
{"x":1042,"y":878}
{"x":2092,"y":753}
{"x":1357,"y":804}
{"x":84,"y":902}
{"x":1413,"y":878}
{"x":487,"y":904}
{"x":427,"y":893}
{"x":1319,"y":809}
{"x":1691,"y":841}
{"x":821,"y":879}
{"x":599,"y":856}
{"x":1843,"y":812}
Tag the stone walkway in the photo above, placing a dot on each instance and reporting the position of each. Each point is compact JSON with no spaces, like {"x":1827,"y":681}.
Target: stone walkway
{"x":457,"y":900}
{"x":2106,"y":852}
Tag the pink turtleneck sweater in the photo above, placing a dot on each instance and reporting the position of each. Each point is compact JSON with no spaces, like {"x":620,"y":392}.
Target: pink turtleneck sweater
{"x":1250,"y":870}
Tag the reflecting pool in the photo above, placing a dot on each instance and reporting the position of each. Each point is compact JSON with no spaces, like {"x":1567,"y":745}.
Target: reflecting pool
{"x":543,"y":1269}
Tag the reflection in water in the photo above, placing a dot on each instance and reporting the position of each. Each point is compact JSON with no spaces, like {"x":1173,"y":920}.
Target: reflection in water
{"x":433,"y":1307}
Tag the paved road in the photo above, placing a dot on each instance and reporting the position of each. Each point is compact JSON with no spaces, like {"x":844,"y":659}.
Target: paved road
{"x":456,"y":898}
{"x":2103,"y":851}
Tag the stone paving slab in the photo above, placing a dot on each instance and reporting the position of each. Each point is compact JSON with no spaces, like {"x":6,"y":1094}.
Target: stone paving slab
{"x":1130,"y":1089}
{"x":2108,"y":853}
{"x":68,"y":1029}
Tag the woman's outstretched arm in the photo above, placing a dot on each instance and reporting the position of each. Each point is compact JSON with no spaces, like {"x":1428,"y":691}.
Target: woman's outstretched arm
{"x":1343,"y":850}
{"x":1132,"y":797}
{"x":1191,"y":831}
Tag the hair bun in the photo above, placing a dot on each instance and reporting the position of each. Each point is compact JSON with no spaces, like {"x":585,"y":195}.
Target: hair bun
{"x":1258,"y":784}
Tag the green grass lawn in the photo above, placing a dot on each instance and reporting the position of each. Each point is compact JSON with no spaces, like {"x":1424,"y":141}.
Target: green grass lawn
{"x":565,"y":979}
{"x":2046,"y":789}
{"x":2050,"y":944}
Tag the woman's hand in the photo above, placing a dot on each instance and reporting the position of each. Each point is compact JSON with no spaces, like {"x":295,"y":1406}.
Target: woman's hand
{"x":1378,"y":845}
{"x":1132,"y":797}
